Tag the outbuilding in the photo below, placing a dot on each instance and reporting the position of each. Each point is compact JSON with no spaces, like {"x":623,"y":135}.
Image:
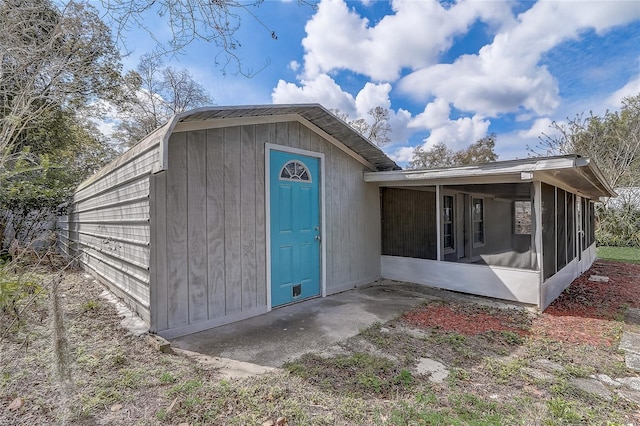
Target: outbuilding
{"x":225,"y":213}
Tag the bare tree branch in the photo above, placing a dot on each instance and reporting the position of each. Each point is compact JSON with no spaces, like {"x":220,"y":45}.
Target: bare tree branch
{"x":211,"y":21}
{"x":153,"y":94}
{"x":376,"y":130}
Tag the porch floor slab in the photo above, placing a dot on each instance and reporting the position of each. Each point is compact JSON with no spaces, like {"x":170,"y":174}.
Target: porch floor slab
{"x":289,"y":332}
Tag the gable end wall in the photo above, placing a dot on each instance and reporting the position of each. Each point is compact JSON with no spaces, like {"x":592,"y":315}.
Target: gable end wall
{"x":209,"y":227}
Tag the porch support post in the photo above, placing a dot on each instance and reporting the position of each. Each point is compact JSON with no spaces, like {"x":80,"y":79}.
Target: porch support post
{"x":537,"y":237}
{"x":438,"y":224}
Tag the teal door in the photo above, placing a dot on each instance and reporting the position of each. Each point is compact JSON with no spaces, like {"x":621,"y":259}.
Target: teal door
{"x":295,"y":227}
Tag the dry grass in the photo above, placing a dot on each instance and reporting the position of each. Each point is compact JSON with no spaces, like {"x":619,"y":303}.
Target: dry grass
{"x":119,"y":379}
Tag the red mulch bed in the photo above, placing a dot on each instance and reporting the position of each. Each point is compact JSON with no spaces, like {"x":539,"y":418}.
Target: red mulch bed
{"x":585,"y":313}
{"x":468,"y":320}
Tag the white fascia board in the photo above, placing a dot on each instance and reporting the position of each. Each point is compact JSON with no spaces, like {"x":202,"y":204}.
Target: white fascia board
{"x":499,"y":172}
{"x":164,"y":143}
{"x":406,"y":176}
{"x":505,"y":171}
{"x":597,"y":173}
{"x":542,"y":164}
{"x":515,"y":167}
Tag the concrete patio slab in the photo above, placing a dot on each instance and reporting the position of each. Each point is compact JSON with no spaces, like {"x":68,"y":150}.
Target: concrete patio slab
{"x":289,"y":332}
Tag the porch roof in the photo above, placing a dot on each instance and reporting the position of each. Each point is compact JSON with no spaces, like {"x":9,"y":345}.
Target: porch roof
{"x":570,"y":171}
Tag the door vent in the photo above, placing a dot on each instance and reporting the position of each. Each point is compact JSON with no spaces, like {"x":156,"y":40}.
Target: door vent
{"x":297,"y":290}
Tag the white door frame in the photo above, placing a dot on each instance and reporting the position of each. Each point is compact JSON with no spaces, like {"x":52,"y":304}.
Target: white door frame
{"x":268,"y":147}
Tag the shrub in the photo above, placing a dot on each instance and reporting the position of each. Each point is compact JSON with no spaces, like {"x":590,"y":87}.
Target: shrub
{"x":619,"y":226}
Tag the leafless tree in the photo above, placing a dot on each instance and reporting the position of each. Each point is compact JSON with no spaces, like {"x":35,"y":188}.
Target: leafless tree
{"x":153,"y":94}
{"x":376,"y":130}
{"x":182,"y":91}
{"x":379,"y":129}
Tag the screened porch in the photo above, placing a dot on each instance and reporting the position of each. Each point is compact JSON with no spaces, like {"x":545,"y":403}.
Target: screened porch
{"x":520,"y":230}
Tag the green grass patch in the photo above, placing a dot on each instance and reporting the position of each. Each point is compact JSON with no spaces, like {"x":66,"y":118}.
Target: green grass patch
{"x":619,"y":254}
{"x":359,"y":374}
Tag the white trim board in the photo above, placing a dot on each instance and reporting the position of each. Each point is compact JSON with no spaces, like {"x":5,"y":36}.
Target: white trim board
{"x":557,"y":283}
{"x":519,"y":285}
{"x":268,"y":147}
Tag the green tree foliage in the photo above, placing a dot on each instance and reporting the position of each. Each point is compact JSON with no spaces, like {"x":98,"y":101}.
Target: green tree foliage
{"x":612,"y":141}
{"x":55,"y":64}
{"x":51,"y":59}
{"x":619,"y":226}
{"x":54,"y":157}
{"x":482,"y":151}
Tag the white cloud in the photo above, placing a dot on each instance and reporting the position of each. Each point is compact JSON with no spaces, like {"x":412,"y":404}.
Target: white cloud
{"x":456,"y":134}
{"x":399,"y":122}
{"x":294,"y":66}
{"x":413,"y":37}
{"x":402,"y":155}
{"x":630,"y":89}
{"x":434,"y":115}
{"x":325,"y":91}
{"x":371,"y":96}
{"x":539,"y":126}
{"x":506,"y":76}
{"x":322,"y":89}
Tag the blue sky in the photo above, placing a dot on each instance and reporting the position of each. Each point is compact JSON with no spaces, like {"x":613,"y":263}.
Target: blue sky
{"x":448,"y":72}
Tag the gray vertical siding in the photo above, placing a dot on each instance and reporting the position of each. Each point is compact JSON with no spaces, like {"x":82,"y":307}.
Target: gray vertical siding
{"x":178,"y":230}
{"x":209,"y":225}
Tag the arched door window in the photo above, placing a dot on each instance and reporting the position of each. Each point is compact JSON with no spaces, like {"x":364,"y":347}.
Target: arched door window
{"x":295,"y":170}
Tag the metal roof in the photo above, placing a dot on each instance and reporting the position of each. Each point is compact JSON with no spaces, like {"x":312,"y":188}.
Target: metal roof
{"x":579,"y":173}
{"x":315,"y":114}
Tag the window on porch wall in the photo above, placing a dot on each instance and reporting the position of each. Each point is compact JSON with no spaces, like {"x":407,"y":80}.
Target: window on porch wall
{"x":548,"y":230}
{"x":571,"y":227}
{"x":561,"y":221}
{"x":478,"y":221}
{"x":448,"y":236}
{"x":592,"y":223}
{"x":585,"y":223}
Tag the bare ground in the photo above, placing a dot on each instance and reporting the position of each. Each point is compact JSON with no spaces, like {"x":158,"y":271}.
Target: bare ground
{"x":526,"y":368}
